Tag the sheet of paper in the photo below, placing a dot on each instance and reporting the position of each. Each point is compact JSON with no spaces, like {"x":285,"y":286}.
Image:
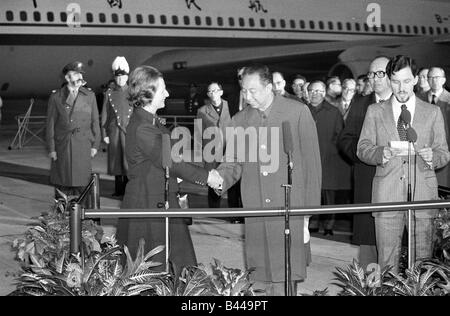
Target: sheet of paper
{"x":403,"y":146}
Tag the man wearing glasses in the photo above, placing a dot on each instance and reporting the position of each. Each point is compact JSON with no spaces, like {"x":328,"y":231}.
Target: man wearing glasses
{"x":439,"y":96}
{"x":214,"y":113}
{"x":336,"y":174}
{"x":363,"y":223}
{"x":384,"y":123}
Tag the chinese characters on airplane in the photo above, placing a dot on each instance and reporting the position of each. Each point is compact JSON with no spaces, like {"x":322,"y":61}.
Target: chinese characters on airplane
{"x":256,"y":6}
{"x":115,"y":3}
{"x":189,"y":3}
{"x":35,"y":3}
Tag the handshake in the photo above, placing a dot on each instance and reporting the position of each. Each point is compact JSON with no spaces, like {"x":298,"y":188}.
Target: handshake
{"x":215,"y":181}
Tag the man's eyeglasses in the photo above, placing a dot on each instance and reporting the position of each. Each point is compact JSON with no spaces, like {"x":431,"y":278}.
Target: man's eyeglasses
{"x":298,"y":84}
{"x":435,"y":77}
{"x":379,"y":74}
{"x":214,"y":91}
{"x":316,"y":91}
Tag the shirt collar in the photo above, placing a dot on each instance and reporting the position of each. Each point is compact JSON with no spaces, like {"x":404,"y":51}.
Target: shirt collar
{"x":377,"y":98}
{"x":437,"y":94}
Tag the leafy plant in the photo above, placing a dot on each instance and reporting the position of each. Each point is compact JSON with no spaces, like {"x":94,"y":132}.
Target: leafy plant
{"x":50,"y":238}
{"x":425,"y":278}
{"x":442,"y":243}
{"x":354,"y":281}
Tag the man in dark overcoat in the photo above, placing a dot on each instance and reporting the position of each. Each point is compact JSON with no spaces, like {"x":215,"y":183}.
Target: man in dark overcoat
{"x":261,"y":179}
{"x":214,"y":114}
{"x":363,"y":223}
{"x":336,"y":172}
{"x":116,"y":113}
{"x":73,"y":132}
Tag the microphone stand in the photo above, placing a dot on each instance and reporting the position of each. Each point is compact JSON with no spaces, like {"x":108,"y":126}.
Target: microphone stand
{"x":166,"y":207}
{"x":287,"y":232}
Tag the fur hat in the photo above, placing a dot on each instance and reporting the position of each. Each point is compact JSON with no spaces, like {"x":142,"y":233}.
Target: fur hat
{"x":120,"y":66}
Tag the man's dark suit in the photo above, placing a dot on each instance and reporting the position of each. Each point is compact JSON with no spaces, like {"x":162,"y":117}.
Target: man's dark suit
{"x":363,"y":223}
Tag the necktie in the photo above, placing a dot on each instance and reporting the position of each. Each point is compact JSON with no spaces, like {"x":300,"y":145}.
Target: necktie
{"x":433,"y":99}
{"x":401,"y":126}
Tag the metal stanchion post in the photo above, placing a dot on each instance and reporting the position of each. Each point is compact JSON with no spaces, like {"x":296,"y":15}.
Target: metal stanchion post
{"x":75,"y":228}
{"x":96,"y":191}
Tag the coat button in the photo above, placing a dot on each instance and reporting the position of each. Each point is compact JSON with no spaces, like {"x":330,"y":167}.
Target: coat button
{"x":263,"y":147}
{"x":268,"y":201}
{"x":265,"y":173}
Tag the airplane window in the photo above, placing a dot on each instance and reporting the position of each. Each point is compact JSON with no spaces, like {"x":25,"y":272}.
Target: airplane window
{"x":408,"y":29}
{"x":9,"y":16}
{"x":115,"y":18}
{"x":339,"y":26}
{"x":357,"y":26}
{"x":50,"y":17}
{"x":89,"y":17}
{"x":220,"y":21}
{"x":399,"y":28}
{"x":151,"y":19}
{"x":366,"y":27}
{"x":330,"y":25}
{"x":231,"y":21}
{"x":139,"y":18}
{"x":424,"y":30}
{"x":37,"y":16}
{"x":445,"y":29}
{"x":302,"y":24}
{"x":163,"y":19}
{"x":391,"y":28}
{"x":349,"y":26}
{"x":321,"y":25}
{"x":102,"y":17}
{"x":416,"y":29}
{"x":208,"y":21}
{"x":283,"y":23}
{"x":251,"y":22}
{"x":174,"y":20}
{"x":63,"y":17}
{"x":292,"y":22}
{"x":198,"y":20}
{"x":186,"y":20}
{"x":241,"y":22}
{"x":383,"y":28}
{"x":375,"y":28}
{"x":23,"y":16}
{"x":127,"y":18}
{"x":273,"y":23}
{"x":431,"y":30}
{"x":312,"y":25}
{"x":439,"y":31}
{"x":262,"y":22}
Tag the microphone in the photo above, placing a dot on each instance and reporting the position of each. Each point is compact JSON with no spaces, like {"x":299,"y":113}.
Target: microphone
{"x":287,"y":138}
{"x":411,"y":135}
{"x":287,"y":142}
{"x":166,"y":151}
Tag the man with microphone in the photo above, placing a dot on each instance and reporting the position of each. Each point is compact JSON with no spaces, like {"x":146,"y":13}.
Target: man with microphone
{"x":387,"y":129}
{"x":262,"y":187}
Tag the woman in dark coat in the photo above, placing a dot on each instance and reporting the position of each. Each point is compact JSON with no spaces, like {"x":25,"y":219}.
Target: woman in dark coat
{"x":145,"y":189}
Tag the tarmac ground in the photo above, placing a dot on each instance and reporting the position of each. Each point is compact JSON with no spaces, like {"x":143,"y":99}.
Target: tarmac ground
{"x":25,"y":193}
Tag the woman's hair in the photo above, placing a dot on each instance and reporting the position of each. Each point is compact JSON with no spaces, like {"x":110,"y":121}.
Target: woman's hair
{"x":143,"y":82}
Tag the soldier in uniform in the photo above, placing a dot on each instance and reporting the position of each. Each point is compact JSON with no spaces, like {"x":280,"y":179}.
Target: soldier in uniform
{"x":116,"y":113}
{"x":73,"y":132}
{"x":194,"y":101}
